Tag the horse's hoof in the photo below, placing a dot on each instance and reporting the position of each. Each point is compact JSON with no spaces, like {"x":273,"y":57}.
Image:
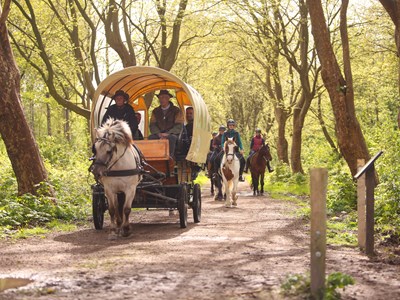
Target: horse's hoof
{"x":112,"y":236}
{"x":125,"y":232}
{"x":234,"y":204}
{"x":228,"y":205}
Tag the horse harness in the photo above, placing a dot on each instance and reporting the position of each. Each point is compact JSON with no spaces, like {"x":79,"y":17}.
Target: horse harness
{"x":117,"y":173}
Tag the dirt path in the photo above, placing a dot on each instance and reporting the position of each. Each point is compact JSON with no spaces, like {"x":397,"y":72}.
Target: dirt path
{"x":238,"y":253}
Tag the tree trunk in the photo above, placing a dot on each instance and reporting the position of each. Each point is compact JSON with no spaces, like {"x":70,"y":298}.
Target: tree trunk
{"x":67,"y":129}
{"x":393,"y":9}
{"x":48,"y":118}
{"x":324,"y":129}
{"x":350,"y":138}
{"x":282,"y":144}
{"x":14,"y":129}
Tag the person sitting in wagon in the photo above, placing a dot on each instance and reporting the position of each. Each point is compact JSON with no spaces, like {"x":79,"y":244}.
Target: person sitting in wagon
{"x":232,"y":133}
{"x":166,"y":121}
{"x":121,"y":110}
{"x":256,"y":143}
{"x":139,"y":134}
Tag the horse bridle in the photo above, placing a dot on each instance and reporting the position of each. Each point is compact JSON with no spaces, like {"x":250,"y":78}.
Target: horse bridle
{"x":113,"y":149}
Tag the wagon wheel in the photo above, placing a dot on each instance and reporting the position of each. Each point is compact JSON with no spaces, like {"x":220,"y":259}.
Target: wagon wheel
{"x":98,"y":206}
{"x":183,"y":207}
{"x":196,"y":206}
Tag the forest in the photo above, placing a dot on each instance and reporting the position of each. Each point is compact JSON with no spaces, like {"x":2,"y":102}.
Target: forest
{"x":320,"y":78}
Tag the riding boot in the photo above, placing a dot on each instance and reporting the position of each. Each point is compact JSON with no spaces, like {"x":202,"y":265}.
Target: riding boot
{"x":269,"y":167}
{"x":246,"y":169}
{"x":242,"y":164}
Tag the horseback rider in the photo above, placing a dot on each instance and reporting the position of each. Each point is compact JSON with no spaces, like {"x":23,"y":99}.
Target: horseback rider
{"x":256,"y":143}
{"x":214,"y":134}
{"x":215,"y":147}
{"x":232,"y":133}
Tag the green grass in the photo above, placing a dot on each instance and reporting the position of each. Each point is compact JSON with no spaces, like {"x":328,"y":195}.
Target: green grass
{"x":342,"y":230}
{"x":37,"y":231}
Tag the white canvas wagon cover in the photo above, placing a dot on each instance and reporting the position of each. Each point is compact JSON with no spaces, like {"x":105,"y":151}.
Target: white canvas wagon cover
{"x":138,"y":81}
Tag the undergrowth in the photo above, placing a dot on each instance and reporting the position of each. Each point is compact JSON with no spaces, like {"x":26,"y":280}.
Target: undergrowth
{"x":299,"y":285}
{"x":28,"y":214}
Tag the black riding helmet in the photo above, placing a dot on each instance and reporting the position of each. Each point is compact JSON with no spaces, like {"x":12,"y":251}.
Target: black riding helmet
{"x":258,"y":130}
{"x":222,"y":127}
{"x":231,"y":122}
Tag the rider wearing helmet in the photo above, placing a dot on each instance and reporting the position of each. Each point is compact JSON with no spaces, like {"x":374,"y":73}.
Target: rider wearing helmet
{"x":216,"y":144}
{"x":215,"y":147}
{"x":232,"y":133}
{"x":214,"y":134}
{"x":256,"y":143}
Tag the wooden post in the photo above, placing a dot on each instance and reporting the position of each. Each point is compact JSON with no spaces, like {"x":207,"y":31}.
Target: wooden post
{"x":318,"y":184}
{"x":369,"y":218}
{"x":361,"y":196}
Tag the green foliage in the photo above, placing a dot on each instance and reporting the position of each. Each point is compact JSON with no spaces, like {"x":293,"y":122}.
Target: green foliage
{"x":67,"y":168}
{"x":300,"y":285}
{"x":336,"y":281}
{"x":341,"y":190}
{"x":342,"y":230}
{"x":387,"y":193}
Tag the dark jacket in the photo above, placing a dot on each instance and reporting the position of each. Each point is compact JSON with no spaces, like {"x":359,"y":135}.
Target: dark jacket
{"x":126,"y":113}
{"x":216,"y":144}
{"x":171,"y":122}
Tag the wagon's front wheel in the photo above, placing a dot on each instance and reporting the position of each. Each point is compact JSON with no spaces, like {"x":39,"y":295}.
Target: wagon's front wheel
{"x":98,"y":206}
{"x":196,"y":206}
{"x":183,"y":207}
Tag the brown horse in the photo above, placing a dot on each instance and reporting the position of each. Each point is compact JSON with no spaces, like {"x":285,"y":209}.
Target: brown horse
{"x":258,"y":163}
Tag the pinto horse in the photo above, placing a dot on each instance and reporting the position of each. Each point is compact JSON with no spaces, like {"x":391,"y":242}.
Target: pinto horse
{"x":258,"y":163}
{"x":230,"y":166}
{"x":117,"y":168}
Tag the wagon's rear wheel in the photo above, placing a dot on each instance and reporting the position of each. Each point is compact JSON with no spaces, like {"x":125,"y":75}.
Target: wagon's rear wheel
{"x":196,"y":206}
{"x":98,"y":206}
{"x":183,"y":206}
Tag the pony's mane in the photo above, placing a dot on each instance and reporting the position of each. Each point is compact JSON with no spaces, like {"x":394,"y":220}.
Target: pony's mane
{"x":118,"y":129}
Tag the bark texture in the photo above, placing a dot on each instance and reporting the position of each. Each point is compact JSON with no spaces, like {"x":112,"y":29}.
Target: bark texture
{"x":349,"y":136}
{"x":14,"y":129}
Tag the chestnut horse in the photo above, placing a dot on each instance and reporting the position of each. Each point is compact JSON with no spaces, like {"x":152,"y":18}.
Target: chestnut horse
{"x":258,"y":163}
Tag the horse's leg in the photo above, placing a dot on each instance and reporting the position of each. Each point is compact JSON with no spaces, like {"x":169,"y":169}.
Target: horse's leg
{"x":234,"y":191}
{"x":130,"y":195}
{"x":212,"y":185}
{"x":113,"y":210}
{"x":120,"y":204}
{"x":228,"y":202}
{"x":253,"y":183}
{"x":262,"y":182}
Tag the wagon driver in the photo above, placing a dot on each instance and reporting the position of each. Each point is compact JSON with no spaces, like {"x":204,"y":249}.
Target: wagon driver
{"x":166,"y":121}
{"x":121,"y":110}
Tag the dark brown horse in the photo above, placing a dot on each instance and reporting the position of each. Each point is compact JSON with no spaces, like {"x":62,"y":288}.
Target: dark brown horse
{"x":258,"y":163}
